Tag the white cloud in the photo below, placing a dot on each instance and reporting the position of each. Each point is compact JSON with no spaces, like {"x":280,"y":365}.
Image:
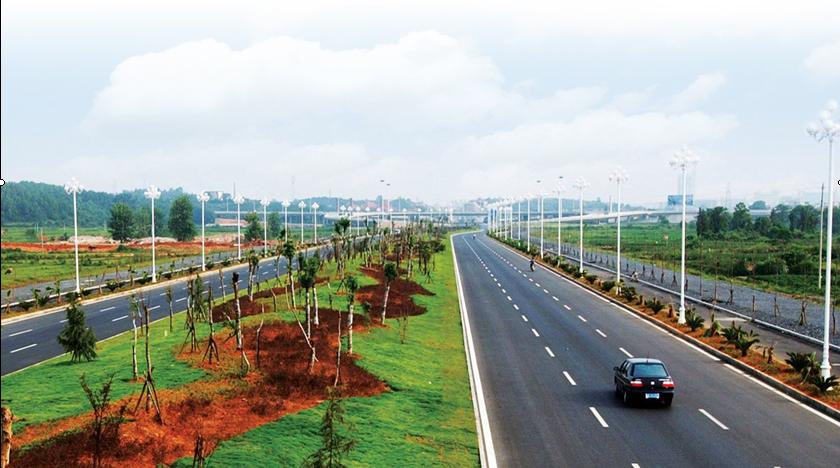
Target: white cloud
{"x":824,"y":61}
{"x":704,"y":87}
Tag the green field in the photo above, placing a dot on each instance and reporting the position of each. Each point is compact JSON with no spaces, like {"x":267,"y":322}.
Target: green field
{"x":747,"y":259}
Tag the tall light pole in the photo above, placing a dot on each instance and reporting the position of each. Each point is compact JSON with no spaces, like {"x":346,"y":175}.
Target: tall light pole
{"x":152,"y":193}
{"x":581,"y":185}
{"x":264,"y":202}
{"x":519,"y":219}
{"x":828,"y":129}
{"x":559,"y":216}
{"x":358,"y":226}
{"x":618,"y":176}
{"x":682,"y":160}
{"x":74,"y":188}
{"x":315,"y":222}
{"x":528,"y":222}
{"x":239,"y":200}
{"x":301,"y":205}
{"x":542,"y":221}
{"x":203,"y":198}
{"x":286,"y":204}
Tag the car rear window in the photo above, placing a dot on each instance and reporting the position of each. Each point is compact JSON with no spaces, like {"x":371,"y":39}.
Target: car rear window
{"x":649,"y":370}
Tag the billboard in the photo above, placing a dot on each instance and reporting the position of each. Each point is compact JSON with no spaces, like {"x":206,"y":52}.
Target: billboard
{"x":677,"y":200}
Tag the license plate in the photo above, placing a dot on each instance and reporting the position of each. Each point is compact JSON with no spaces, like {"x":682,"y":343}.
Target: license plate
{"x":649,"y":396}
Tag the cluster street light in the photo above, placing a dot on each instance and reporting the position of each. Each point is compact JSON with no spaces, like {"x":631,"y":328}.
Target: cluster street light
{"x":581,"y":185}
{"x":827,"y":130}
{"x":286,"y":204}
{"x":528,"y":222}
{"x":560,"y":189}
{"x":618,"y":176}
{"x":73,"y":187}
{"x":315,"y":222}
{"x":542,"y":221}
{"x":239,"y":200}
{"x":153,"y":193}
{"x":264,"y":202}
{"x":203,"y":198}
{"x":301,"y":205}
{"x":682,"y":160}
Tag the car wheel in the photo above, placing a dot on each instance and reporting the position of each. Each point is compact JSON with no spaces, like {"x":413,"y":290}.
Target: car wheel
{"x":617,"y":390}
{"x":625,"y":397}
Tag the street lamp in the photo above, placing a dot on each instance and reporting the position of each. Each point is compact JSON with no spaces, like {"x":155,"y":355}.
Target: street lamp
{"x":73,"y":188}
{"x":618,"y":176}
{"x":828,"y":129}
{"x":528,"y":222}
{"x":560,"y":190}
{"x":203,"y":198}
{"x":152,"y":193}
{"x":301,"y":205}
{"x":286,"y":204}
{"x":519,"y":219}
{"x":264,"y":202}
{"x":358,"y":225}
{"x":542,"y":221}
{"x":581,"y":185}
{"x":682,"y":160}
{"x":315,"y":221}
{"x":239,"y":200}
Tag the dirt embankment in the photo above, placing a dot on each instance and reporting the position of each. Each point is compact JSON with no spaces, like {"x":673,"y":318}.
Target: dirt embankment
{"x":224,"y":405}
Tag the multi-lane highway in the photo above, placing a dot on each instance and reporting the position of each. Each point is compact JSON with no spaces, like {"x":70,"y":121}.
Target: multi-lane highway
{"x":545,"y":349}
{"x":32,"y":340}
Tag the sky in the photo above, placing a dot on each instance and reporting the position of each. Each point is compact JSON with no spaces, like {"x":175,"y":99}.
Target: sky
{"x":445,"y":100}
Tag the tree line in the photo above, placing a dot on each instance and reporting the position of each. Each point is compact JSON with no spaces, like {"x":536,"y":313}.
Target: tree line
{"x":784,"y":222}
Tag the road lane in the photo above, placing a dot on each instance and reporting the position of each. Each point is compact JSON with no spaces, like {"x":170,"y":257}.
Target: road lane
{"x":539,"y":418}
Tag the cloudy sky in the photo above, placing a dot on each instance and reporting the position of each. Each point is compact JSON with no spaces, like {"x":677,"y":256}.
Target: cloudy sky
{"x":444,"y":99}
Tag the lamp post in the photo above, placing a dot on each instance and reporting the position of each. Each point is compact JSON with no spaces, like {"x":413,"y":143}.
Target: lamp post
{"x":286,"y":204}
{"x":618,"y":176}
{"x":827,"y":130}
{"x":315,"y":222}
{"x":301,"y":205}
{"x":203,"y":198}
{"x":152,"y":193}
{"x":264,"y":202}
{"x":682,"y":160}
{"x":519,"y":219}
{"x":528,"y":222}
{"x":581,"y":185}
{"x":73,"y":188}
{"x":542,"y":221}
{"x":239,"y":200}
{"x":560,"y":216}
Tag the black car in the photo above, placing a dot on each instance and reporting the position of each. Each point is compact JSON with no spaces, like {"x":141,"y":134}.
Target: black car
{"x":644,"y":379}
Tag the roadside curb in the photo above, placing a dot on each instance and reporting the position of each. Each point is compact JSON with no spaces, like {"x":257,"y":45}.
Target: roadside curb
{"x":791,"y":392}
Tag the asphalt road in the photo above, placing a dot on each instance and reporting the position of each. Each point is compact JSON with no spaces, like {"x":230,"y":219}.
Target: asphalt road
{"x":33,"y":340}
{"x":545,"y":350}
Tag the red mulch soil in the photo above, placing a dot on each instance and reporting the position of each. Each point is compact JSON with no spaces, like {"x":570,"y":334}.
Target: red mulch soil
{"x":224,"y":405}
{"x":400,"y":303}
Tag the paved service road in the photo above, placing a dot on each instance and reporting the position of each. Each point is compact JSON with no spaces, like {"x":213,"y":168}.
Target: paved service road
{"x":545,"y":349}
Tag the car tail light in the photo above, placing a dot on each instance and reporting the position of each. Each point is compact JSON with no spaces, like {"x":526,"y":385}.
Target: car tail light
{"x":636,"y":383}
{"x":668,"y":383}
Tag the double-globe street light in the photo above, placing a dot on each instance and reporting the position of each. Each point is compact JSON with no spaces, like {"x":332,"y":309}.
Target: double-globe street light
{"x":618,"y":176}
{"x":682,"y":160}
{"x":827,"y":130}
{"x":203,"y":198}
{"x":581,"y":185}
{"x":239,"y":200}
{"x":286,"y":204}
{"x":315,"y":222}
{"x":264,"y":202}
{"x":73,"y":187}
{"x":560,"y":190}
{"x":153,"y":193}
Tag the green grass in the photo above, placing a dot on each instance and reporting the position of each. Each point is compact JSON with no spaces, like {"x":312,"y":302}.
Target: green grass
{"x":426,"y":419}
{"x":33,"y":234}
{"x":51,"y":390}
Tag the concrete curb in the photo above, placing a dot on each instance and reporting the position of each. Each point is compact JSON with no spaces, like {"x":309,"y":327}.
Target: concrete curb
{"x":772,"y":382}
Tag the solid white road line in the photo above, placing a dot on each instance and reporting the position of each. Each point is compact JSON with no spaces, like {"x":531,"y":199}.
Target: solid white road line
{"x":714,"y":420}
{"x":600,"y":333}
{"x":567,"y":307}
{"x":548,"y":350}
{"x":582,"y":319}
{"x":569,"y":378}
{"x":524,"y":318}
{"x":108,"y":308}
{"x":635,"y":465}
{"x":120,"y":318}
{"x":20,"y":333}
{"x":516,"y":307}
{"x":535,"y":333}
{"x":625,"y":352}
{"x":598,"y":417}
{"x":21,"y":349}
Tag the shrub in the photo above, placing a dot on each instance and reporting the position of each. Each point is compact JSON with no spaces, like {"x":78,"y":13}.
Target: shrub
{"x":805,"y":364}
{"x":654,"y":305}
{"x":590,"y":278}
{"x":629,"y":294}
{"x":823,"y":384}
{"x":77,"y":338}
{"x":694,"y":320}
{"x":713,"y":330}
{"x":26,"y":305}
{"x":112,"y":285}
{"x":209,"y":265}
{"x":745,"y":341}
{"x":607,"y":285}
{"x":226,"y":262}
{"x":732,"y":333}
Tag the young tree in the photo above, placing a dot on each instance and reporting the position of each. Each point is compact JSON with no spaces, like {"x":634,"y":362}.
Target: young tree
{"x":390,"y":272}
{"x":254,"y":230}
{"x":237,"y":324}
{"x":306,"y":276}
{"x":181,"y":223}
{"x":289,"y":252}
{"x":105,"y":426}
{"x":275,"y":226}
{"x":334,"y":445}
{"x":121,"y":222}
{"x":170,"y":296}
{"x":314,"y":264}
{"x":134,"y":312}
{"x":352,"y":285}
{"x":77,"y":338}
{"x":253,"y":266}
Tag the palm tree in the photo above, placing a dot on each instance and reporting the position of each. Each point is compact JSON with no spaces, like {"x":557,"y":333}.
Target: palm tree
{"x":390,"y":272}
{"x":352,"y":286}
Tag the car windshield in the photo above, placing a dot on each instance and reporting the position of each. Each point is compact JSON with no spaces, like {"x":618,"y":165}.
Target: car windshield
{"x":649,"y":370}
